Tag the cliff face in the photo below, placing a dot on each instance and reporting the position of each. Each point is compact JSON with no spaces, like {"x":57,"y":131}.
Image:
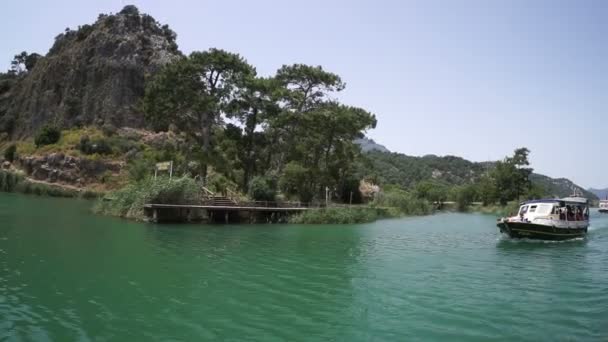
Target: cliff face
{"x":93,"y":75}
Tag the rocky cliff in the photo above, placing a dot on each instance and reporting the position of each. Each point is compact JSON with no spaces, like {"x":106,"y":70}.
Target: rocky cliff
{"x":95,"y":74}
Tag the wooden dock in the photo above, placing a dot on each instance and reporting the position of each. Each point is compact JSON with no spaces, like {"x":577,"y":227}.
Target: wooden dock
{"x":225,"y":212}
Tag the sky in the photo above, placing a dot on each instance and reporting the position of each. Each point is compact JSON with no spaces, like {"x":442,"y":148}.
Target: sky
{"x":475,"y":79}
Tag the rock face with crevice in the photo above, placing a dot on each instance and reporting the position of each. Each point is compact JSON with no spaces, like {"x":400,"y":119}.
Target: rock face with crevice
{"x":93,"y":75}
{"x":60,"y":168}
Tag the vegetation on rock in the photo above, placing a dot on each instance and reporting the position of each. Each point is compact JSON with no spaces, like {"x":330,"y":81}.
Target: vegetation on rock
{"x":48,"y":135}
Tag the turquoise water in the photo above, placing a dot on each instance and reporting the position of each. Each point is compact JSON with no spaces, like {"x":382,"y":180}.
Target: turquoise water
{"x":68,"y":275}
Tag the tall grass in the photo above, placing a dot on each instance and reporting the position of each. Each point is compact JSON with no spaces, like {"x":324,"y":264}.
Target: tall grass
{"x":400,"y":203}
{"x":499,"y":210}
{"x":13,"y":182}
{"x":9,"y":181}
{"x":129,"y":201}
{"x":336,"y":216}
{"x":395,"y":203}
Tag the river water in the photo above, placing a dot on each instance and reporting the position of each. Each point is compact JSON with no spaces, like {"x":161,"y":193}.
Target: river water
{"x":67,"y":275}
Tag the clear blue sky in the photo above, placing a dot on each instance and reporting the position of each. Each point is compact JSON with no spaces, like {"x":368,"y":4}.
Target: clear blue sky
{"x":469,"y":78}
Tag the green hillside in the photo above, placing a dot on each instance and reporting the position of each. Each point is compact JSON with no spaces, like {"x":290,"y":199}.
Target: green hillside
{"x":407,"y":171}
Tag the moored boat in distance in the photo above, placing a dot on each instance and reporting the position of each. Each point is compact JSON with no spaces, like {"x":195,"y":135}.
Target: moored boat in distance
{"x":548,"y":219}
{"x":604,"y":206}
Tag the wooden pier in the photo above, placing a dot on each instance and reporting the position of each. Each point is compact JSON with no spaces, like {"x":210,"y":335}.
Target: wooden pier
{"x":223,"y":212}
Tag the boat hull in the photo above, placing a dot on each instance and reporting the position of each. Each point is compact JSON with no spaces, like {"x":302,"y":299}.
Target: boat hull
{"x":525,"y":230}
{"x":603,"y":211}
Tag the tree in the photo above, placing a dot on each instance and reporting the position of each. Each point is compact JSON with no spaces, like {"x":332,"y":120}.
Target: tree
{"x":31,"y":60}
{"x":307,"y":86}
{"x":262,"y":189}
{"x":255,"y":104}
{"x":464,"y":195}
{"x":295,"y":180}
{"x":325,"y":144}
{"x":23,"y":62}
{"x":486,"y":190}
{"x":512,"y":177}
{"x":194,"y":91}
{"x":432,"y":191}
{"x":304,"y":88}
{"x":522,"y":174}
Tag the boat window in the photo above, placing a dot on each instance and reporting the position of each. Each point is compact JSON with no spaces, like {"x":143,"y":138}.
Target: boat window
{"x":523,"y":210}
{"x":544,"y":209}
{"x":532,"y":208}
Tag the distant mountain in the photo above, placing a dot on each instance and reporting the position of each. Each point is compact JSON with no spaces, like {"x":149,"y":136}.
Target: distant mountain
{"x":368,"y":145}
{"x":601,"y":193}
{"x":407,"y":171}
{"x":560,"y":187}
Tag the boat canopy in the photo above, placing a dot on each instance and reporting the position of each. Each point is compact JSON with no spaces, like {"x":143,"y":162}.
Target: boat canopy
{"x":548,"y":200}
{"x":577,"y":200}
{"x":561,"y":201}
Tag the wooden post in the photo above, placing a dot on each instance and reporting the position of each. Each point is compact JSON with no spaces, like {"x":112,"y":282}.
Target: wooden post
{"x":226,"y":217}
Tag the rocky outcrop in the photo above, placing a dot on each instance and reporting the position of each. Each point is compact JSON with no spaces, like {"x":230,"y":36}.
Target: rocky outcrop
{"x":57,"y":167}
{"x":93,"y":75}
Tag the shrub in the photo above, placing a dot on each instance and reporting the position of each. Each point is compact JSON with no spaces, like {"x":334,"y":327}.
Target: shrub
{"x":48,"y":135}
{"x":402,"y":203}
{"x":108,"y":130}
{"x":129,"y":201}
{"x":10,"y":152}
{"x":464,"y":196}
{"x":336,"y":216}
{"x":294,"y":181}
{"x":262,"y":189}
{"x":9,"y":181}
{"x":140,"y":169}
{"x":99,"y":146}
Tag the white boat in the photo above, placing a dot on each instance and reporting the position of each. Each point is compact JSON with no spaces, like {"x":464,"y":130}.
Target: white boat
{"x":548,"y":219}
{"x":604,"y":206}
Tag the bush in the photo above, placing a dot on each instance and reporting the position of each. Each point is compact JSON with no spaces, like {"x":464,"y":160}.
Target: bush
{"x":402,"y":203}
{"x":262,"y":189}
{"x":9,"y":181}
{"x":336,"y":216}
{"x":99,"y":146}
{"x":12,"y":182}
{"x":140,"y":169}
{"x":129,"y":201}
{"x":464,"y":196}
{"x":294,"y":181}
{"x":108,"y":130}
{"x":48,"y":135}
{"x":10,"y":152}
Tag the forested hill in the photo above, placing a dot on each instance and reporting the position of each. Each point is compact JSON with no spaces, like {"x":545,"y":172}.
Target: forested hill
{"x":601,"y":193}
{"x":408,"y":171}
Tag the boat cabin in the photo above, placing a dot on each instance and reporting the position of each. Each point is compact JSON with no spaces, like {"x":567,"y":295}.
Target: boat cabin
{"x":604,"y":205}
{"x":567,"y":209}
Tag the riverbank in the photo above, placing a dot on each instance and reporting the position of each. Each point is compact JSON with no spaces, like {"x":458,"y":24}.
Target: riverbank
{"x":19,"y":183}
{"x":496,"y":209}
